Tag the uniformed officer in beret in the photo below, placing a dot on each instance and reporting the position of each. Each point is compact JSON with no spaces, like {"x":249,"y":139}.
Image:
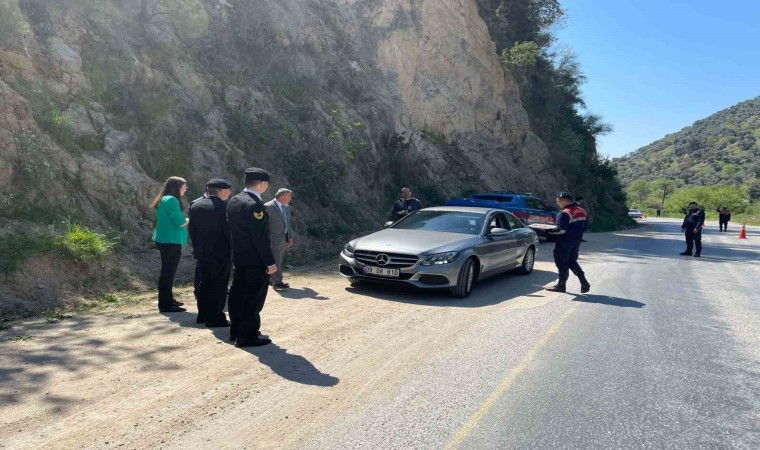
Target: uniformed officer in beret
{"x":210,"y":235}
{"x":571,"y":223}
{"x":252,"y":258}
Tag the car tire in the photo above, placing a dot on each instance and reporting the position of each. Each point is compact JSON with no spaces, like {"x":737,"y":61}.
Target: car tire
{"x":465,"y":280}
{"x":356,"y":282}
{"x":529,"y":261}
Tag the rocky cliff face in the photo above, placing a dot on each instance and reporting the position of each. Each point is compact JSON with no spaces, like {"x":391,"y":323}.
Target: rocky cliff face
{"x":342,"y":100}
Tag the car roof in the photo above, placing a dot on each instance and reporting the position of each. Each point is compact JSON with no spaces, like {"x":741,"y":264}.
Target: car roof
{"x":462,"y":209}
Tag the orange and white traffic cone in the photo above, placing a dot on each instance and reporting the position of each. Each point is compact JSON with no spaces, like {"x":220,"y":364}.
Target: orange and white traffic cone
{"x":743,"y":233}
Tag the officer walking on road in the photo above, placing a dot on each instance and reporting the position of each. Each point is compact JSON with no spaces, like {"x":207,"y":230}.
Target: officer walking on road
{"x":571,"y":223}
{"x":692,"y":228}
{"x":210,"y":235}
{"x":252,"y":258}
{"x":724,"y":216}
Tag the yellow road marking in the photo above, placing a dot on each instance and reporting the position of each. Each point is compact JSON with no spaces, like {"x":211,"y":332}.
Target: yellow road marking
{"x":506,"y":383}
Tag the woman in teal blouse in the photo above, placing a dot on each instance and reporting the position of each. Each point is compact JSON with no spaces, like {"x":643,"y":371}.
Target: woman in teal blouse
{"x":170,"y":235}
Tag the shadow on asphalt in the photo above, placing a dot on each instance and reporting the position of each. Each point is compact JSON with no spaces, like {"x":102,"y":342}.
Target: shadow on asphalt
{"x":491,"y":291}
{"x":606,"y":300}
{"x":645,"y":245}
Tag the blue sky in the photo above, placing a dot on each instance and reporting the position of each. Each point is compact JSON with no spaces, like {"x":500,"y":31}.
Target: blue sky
{"x":654,"y":67}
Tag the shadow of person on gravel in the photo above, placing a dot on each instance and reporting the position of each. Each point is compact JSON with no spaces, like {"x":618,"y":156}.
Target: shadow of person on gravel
{"x":301,"y":294}
{"x":607,"y":300}
{"x":491,"y":291}
{"x":291,"y":367}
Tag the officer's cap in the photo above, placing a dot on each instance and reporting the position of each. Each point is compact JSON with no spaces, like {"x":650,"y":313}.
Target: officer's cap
{"x":566,"y":195}
{"x":256,"y":174}
{"x":282,"y":191}
{"x":218,"y":183}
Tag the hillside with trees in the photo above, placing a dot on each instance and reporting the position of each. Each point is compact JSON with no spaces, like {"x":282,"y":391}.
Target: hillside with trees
{"x":723,"y":149}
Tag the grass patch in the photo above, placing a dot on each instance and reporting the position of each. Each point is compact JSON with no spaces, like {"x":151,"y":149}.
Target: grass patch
{"x":5,"y":326}
{"x":57,"y":317}
{"x":81,"y":244}
{"x":111,"y":298}
{"x":21,"y":338}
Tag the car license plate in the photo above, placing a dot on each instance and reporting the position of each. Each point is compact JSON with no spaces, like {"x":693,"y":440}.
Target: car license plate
{"x":380,"y":271}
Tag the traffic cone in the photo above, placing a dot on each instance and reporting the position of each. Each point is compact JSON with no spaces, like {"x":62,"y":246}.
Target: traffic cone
{"x":743,"y":233}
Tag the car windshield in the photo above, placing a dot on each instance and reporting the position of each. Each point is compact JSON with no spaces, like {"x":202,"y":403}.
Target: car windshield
{"x":446,"y":221}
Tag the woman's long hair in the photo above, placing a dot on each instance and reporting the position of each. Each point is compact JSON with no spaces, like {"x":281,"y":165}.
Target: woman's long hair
{"x":171,"y":187}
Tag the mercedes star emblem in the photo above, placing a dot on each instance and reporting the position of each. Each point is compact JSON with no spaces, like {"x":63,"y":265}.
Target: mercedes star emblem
{"x":382,"y":259}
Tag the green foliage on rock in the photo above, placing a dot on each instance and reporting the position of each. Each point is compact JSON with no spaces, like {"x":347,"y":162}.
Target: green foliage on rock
{"x":723,"y":149}
{"x":550,"y":87}
{"x":81,"y":244}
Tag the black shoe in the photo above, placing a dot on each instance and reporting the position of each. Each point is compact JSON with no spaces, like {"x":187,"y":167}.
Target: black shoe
{"x":263,"y":336}
{"x":559,"y":287}
{"x":585,"y":288}
{"x":258,"y":342}
{"x":685,"y":253}
{"x":281,"y":286}
{"x":176,"y":303}
{"x":218,"y":324}
{"x":697,"y":255}
{"x":172,"y":308}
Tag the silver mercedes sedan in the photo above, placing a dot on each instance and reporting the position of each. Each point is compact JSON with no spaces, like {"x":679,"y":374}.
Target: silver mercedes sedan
{"x":443,"y":247}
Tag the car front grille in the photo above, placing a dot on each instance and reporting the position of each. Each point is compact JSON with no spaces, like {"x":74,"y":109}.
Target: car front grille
{"x":395,"y":260}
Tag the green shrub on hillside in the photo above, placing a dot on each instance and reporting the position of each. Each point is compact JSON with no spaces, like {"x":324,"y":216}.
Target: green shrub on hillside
{"x":81,"y":244}
{"x":15,"y":248}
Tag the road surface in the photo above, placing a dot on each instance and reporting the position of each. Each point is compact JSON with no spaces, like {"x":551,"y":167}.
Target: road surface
{"x":663,"y":353}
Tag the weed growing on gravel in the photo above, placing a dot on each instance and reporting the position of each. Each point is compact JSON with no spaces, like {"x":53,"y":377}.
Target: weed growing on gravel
{"x":5,"y":326}
{"x":57,"y":317}
{"x":111,"y":298}
{"x":21,"y":338}
{"x":82,"y":244}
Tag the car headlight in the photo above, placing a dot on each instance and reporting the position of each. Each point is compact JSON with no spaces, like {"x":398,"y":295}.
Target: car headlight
{"x":348,"y":250}
{"x":440,"y":258}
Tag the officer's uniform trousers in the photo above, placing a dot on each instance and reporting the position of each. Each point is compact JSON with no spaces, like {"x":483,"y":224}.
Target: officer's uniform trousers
{"x":211,"y":290}
{"x":250,"y":285}
{"x":566,"y":258}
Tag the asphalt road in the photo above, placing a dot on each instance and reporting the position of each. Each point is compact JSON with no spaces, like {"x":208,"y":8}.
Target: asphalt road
{"x":663,"y":353}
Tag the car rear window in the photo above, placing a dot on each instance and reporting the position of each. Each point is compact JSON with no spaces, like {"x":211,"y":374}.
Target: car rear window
{"x":495,"y":198}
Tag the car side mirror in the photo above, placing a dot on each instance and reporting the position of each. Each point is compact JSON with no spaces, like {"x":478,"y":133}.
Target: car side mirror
{"x":498,"y":232}
{"x":388,"y":224}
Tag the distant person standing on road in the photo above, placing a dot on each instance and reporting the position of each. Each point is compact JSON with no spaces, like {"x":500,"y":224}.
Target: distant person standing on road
{"x":724,"y":216}
{"x":658,"y":211}
{"x":280,"y":232}
{"x":170,"y":235}
{"x":571,"y":223}
{"x":405,"y":205}
{"x":692,"y":228}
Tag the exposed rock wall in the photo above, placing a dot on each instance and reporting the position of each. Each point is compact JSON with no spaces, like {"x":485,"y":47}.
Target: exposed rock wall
{"x":343,"y":100}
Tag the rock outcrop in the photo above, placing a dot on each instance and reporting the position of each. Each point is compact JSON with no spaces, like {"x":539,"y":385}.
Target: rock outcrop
{"x":343,"y":100}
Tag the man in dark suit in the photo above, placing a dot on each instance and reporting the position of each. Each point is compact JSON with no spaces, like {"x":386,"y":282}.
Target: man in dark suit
{"x":252,"y":258}
{"x":280,"y":232}
{"x":210,"y":235}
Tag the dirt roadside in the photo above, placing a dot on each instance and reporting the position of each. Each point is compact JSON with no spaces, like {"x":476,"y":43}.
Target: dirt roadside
{"x":133,"y":378}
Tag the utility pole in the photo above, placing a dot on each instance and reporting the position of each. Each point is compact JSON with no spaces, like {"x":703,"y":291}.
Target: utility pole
{"x":664,"y":190}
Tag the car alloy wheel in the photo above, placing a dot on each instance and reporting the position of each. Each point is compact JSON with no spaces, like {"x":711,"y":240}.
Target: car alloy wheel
{"x":465,"y":279}
{"x":529,"y":260}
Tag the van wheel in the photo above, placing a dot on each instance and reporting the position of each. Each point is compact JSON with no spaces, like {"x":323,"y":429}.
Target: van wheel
{"x":529,"y":260}
{"x":465,"y":280}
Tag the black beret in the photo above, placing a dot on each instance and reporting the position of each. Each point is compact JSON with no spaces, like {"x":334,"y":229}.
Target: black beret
{"x":218,"y":183}
{"x":565,"y":195}
{"x":256,"y":174}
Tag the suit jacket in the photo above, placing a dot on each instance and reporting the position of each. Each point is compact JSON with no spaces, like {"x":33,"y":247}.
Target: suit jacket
{"x":249,"y":230}
{"x":209,"y":230}
{"x":277,"y":222}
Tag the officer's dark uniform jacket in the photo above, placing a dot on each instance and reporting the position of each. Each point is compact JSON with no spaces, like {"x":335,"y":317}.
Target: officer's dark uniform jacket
{"x":694,"y":219}
{"x":572,"y":222}
{"x":209,"y":230}
{"x":405,"y":205}
{"x":249,"y":229}
{"x":724,"y":216}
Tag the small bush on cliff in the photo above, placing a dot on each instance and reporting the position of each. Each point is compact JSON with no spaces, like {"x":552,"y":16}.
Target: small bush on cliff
{"x":15,"y":248}
{"x":81,"y":244}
